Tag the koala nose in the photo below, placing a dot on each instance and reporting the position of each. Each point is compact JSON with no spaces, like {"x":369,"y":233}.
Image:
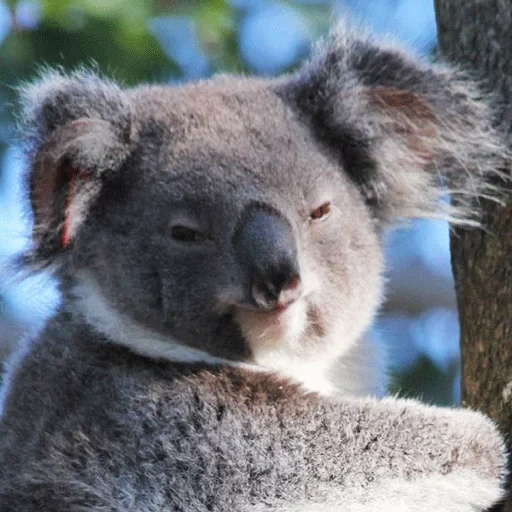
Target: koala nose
{"x":265,"y":245}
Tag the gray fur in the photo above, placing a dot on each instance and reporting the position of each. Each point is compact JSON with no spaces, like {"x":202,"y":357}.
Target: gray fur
{"x":168,"y":380}
{"x":120,"y":432}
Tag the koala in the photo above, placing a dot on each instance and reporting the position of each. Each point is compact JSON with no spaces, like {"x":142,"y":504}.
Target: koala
{"x":220,"y":251}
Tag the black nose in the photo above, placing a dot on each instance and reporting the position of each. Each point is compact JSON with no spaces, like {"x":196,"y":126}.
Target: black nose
{"x":266,"y":247}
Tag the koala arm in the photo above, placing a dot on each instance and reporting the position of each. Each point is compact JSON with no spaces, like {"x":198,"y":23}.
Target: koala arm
{"x":151,"y":438}
{"x":267,"y":446}
{"x":397,"y":455}
{"x":400,"y":455}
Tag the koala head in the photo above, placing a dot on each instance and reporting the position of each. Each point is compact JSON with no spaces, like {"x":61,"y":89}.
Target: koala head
{"x":242,"y":217}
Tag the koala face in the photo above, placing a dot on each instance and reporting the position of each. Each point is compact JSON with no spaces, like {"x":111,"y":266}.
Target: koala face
{"x":241,"y":218}
{"x":230,"y":229}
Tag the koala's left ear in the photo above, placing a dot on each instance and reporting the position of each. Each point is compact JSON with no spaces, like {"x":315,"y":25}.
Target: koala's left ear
{"x":78,"y":130}
{"x":405,"y":131}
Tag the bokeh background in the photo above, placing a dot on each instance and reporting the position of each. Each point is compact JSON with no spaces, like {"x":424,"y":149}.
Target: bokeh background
{"x":179,"y":40}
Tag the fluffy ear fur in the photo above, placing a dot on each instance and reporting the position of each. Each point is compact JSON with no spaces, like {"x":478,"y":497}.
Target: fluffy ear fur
{"x":406,"y":132}
{"x":79,"y":128}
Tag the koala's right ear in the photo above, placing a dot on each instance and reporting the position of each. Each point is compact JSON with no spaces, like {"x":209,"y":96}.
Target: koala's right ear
{"x":406,"y":132}
{"x":78,"y":130}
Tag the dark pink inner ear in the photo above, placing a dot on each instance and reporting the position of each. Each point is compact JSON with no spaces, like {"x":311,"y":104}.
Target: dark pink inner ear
{"x":53,"y":193}
{"x":76,"y":153}
{"x":75,"y":177}
{"x":409,"y":117}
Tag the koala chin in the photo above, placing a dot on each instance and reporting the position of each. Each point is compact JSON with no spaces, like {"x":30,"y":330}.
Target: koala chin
{"x":220,"y":251}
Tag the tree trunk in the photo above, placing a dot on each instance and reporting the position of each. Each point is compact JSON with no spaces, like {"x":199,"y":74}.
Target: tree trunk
{"x":478,"y":35}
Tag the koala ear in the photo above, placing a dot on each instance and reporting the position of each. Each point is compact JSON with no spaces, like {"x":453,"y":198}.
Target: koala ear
{"x":78,"y":130}
{"x":405,"y":131}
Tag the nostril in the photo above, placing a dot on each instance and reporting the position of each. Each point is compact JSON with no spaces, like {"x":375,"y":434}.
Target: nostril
{"x":268,"y":296}
{"x":262,"y":296}
{"x":290,"y":292}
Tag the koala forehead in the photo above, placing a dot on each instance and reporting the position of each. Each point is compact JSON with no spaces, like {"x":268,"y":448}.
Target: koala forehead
{"x":231,"y":135}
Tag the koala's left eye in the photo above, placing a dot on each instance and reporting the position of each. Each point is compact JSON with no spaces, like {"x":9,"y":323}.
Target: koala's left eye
{"x":321,"y":212}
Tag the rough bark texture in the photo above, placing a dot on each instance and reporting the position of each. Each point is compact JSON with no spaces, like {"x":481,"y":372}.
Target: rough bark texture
{"x":478,"y":35}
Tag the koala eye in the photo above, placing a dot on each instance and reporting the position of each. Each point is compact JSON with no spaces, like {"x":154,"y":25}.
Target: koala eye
{"x":321,"y":212}
{"x":187,"y":234}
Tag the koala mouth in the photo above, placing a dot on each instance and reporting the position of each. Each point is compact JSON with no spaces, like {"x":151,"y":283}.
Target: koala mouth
{"x":274,"y":313}
{"x":281,"y":325}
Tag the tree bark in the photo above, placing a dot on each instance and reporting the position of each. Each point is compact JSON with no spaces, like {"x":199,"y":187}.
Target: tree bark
{"x":478,"y":35}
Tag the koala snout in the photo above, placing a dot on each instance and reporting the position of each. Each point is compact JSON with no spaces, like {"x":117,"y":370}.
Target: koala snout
{"x":266,"y":248}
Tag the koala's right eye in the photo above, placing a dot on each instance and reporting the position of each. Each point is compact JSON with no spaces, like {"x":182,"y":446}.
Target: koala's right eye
{"x":186,"y":234}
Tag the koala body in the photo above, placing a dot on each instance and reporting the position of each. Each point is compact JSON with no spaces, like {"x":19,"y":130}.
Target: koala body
{"x":219,"y":246}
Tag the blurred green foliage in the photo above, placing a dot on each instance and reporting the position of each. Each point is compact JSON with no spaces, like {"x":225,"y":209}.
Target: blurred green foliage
{"x":426,"y":381}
